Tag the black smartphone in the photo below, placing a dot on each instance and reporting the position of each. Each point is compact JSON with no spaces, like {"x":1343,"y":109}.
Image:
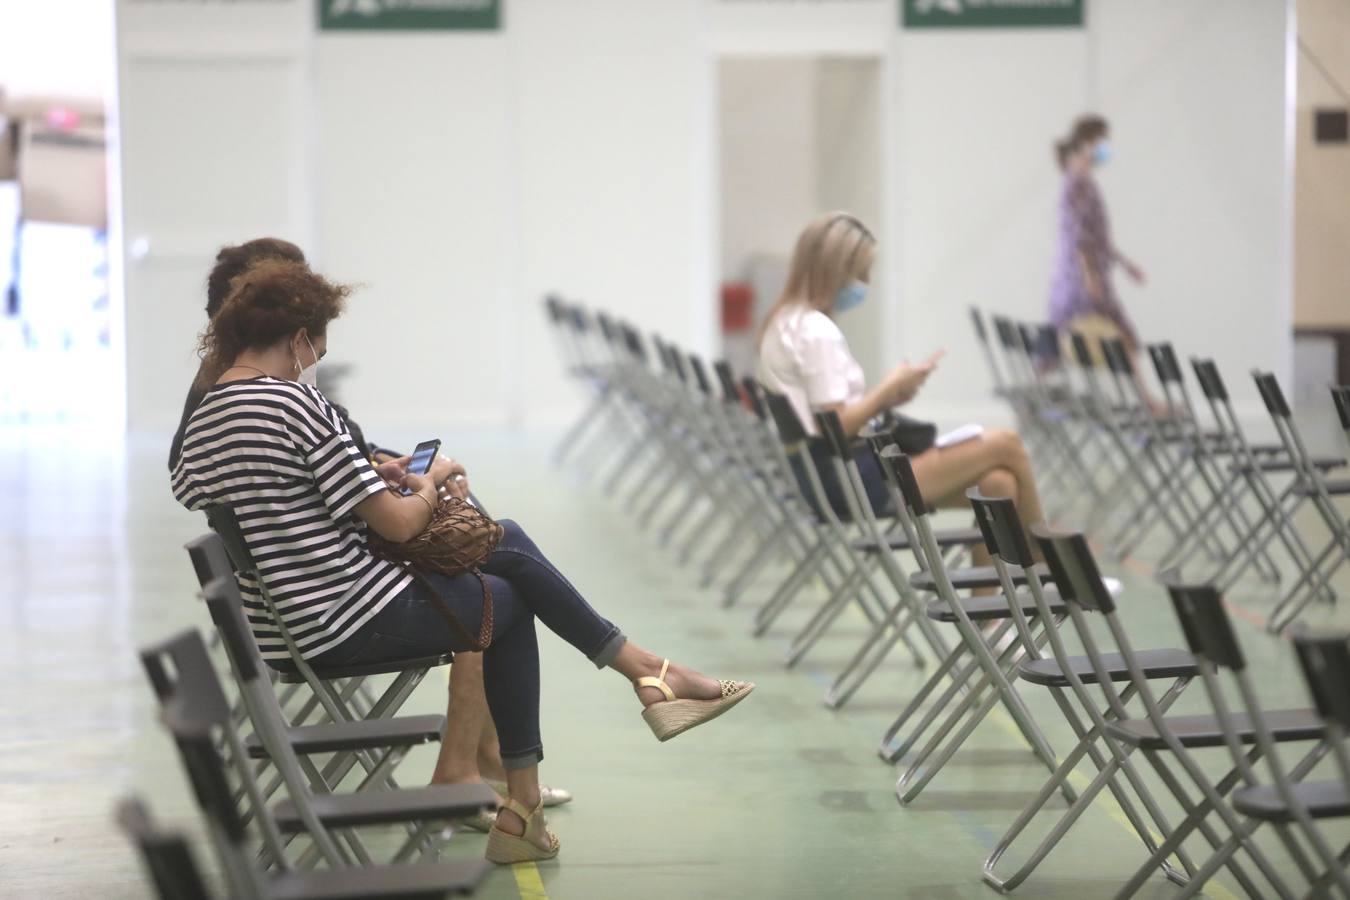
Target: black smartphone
{"x":422,"y":457}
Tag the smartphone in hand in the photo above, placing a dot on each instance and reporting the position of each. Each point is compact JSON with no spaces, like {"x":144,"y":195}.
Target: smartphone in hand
{"x":420,"y":462}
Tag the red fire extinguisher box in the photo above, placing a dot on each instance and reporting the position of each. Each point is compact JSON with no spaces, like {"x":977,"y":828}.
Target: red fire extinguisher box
{"x":738,"y":306}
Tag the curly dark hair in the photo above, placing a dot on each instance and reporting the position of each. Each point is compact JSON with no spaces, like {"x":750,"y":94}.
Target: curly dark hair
{"x":270,"y":300}
{"x":233,"y":260}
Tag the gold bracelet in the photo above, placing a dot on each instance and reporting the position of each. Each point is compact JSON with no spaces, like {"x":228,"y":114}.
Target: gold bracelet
{"x":430,"y":506}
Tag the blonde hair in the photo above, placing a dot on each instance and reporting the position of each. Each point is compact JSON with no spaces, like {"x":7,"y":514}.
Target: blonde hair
{"x":831,"y":251}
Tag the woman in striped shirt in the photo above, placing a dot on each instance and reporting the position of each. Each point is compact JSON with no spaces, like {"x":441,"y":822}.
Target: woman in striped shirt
{"x":266,"y":442}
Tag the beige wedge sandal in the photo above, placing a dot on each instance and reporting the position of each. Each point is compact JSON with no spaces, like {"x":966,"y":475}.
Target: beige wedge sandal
{"x":506,"y":848}
{"x":675,"y":716}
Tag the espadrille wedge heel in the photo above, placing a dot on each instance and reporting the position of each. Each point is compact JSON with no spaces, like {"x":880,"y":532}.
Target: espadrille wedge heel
{"x":675,"y":716}
{"x":506,"y":848}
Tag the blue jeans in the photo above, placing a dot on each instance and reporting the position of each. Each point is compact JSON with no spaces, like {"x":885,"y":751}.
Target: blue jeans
{"x":525,"y":585}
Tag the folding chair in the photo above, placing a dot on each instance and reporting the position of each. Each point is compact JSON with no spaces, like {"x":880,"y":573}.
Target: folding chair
{"x":1252,"y":470}
{"x":1211,"y":457}
{"x":1283,"y":803}
{"x":166,"y":855}
{"x":377,"y":744}
{"x":1325,"y":661}
{"x":194,"y":709}
{"x":829,"y":553}
{"x":1310,"y":486}
{"x":1067,"y":677}
{"x":883,"y":547}
{"x":1165,"y":741}
{"x":987,"y":683}
{"x":323,"y":682}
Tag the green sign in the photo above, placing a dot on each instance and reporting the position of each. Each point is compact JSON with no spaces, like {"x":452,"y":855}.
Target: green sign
{"x":410,"y":15}
{"x":991,"y":13}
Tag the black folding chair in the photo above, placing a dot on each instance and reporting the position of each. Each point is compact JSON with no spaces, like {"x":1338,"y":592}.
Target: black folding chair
{"x":194,"y":709}
{"x":1284,"y":802}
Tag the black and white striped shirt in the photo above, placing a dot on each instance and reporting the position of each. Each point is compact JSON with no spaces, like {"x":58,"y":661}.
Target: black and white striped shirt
{"x":279,"y":454}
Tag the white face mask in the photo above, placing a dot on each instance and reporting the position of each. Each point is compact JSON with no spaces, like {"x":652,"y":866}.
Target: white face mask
{"x":308,"y":374}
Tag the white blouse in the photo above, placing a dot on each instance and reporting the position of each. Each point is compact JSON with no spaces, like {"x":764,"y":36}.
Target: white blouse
{"x":805,"y":356}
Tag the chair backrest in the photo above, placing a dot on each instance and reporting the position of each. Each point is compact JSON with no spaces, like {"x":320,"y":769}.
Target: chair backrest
{"x":1211,"y":383}
{"x":167,"y":856}
{"x":1271,"y":395}
{"x":227,"y":612}
{"x":1325,"y":661}
{"x":210,"y":559}
{"x":1205,"y":623}
{"x":730,"y":392}
{"x":754,"y":392}
{"x":700,"y":375}
{"x":977,"y":319}
{"x":1165,"y":363}
{"x":896,"y":463}
{"x":225,"y":523}
{"x":832,"y":429}
{"x":1074,"y":569}
{"x":1082,"y":351}
{"x":192,"y":706}
{"x":790,"y":428}
{"x":1341,"y":397}
{"x":1001,"y":528}
{"x":1006,"y":332}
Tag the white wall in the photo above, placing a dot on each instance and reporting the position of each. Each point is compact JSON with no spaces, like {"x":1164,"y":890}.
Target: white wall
{"x":463,"y":175}
{"x":1197,"y":193}
{"x":58,"y":48}
{"x":768,"y":160}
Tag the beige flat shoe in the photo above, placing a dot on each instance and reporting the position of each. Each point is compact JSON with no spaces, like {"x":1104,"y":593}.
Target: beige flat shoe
{"x":550,"y":796}
{"x":505,"y":849}
{"x":674,"y":716}
{"x":483,"y":820}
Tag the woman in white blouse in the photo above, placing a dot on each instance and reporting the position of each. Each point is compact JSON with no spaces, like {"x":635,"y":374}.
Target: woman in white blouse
{"x":804,"y":355}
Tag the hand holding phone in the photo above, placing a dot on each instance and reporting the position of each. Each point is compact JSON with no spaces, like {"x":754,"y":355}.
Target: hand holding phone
{"x":420,"y":462}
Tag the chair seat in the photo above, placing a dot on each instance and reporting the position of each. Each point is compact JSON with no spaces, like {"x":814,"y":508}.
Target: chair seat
{"x":436,"y":801}
{"x":1323,"y":800}
{"x":290,"y":675}
{"x":1204,"y":731}
{"x":1283,"y":463}
{"x":1155,"y":663}
{"x":421,"y":881}
{"x":1334,"y":488}
{"x":974,"y":577}
{"x":984,"y":609}
{"x":363,"y":734}
{"x":946,"y":537}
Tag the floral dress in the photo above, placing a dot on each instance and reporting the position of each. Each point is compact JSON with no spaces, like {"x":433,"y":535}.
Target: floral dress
{"x":1084,"y":226}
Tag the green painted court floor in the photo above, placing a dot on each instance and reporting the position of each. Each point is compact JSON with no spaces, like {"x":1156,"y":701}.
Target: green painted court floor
{"x":781,"y":798}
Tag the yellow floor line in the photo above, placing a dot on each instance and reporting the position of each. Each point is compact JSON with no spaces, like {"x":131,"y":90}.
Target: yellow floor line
{"x":1081,"y":783}
{"x":529,"y":883}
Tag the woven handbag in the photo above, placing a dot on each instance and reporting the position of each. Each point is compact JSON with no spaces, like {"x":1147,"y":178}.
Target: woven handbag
{"x":458,"y":539}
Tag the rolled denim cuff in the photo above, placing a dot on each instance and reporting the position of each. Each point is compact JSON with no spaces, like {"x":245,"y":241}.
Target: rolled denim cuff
{"x":524,"y":760}
{"x":609,"y":649}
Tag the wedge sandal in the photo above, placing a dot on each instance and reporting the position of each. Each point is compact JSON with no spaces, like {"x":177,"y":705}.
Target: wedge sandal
{"x":674,"y":716}
{"x":505,"y":849}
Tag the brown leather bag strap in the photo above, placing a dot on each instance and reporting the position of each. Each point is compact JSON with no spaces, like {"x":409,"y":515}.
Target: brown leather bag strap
{"x":484,"y":639}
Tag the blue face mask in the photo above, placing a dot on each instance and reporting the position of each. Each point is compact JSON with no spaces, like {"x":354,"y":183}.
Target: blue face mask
{"x":1101,"y":154}
{"x":850,"y":296}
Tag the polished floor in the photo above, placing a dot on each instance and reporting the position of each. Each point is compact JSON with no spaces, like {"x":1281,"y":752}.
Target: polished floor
{"x":782,"y":798}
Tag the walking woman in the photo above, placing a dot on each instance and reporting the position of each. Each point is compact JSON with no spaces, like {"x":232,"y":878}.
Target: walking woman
{"x":265,"y":441}
{"x":1082,"y":293}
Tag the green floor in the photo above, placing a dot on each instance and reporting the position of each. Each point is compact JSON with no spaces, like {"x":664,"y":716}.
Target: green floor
{"x":782,"y":798}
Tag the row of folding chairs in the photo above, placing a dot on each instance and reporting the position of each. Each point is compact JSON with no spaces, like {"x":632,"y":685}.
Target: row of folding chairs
{"x":327,"y":744}
{"x":1220,"y":505}
{"x":757,"y":481}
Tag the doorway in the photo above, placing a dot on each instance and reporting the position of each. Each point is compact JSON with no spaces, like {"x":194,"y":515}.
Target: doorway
{"x":797,"y":136}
